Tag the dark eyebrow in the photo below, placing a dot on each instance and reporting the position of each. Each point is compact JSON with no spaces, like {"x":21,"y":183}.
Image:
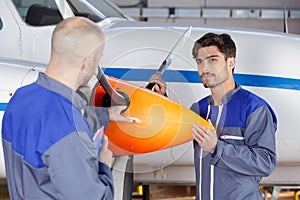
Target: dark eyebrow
{"x":211,"y":56}
{"x":208,"y":57}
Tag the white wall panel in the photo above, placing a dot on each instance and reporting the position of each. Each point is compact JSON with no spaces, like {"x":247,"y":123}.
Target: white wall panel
{"x":176,"y":3}
{"x":254,"y":3}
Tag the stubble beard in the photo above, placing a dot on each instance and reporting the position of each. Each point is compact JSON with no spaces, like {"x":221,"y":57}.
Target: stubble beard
{"x":214,"y":81}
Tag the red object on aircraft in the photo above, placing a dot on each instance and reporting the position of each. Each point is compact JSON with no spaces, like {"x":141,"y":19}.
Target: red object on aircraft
{"x":159,"y":122}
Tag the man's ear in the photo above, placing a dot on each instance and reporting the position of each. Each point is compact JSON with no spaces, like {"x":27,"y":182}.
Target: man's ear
{"x":85,"y":62}
{"x":231,"y":62}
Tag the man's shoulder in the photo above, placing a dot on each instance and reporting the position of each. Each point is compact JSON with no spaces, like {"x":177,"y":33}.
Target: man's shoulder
{"x":200,"y":105}
{"x":251,"y":101}
{"x":249,"y":97}
{"x":33,"y":89}
{"x":35,"y":100}
{"x":204,"y":101}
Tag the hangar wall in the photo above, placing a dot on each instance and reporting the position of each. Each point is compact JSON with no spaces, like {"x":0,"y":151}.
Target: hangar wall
{"x":265,"y":15}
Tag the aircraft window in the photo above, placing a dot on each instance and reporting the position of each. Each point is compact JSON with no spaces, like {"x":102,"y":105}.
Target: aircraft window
{"x":40,"y":15}
{"x":95,"y":10}
{"x":38,"y":12}
{"x":107,"y":8}
{"x":45,"y":12}
{"x":1,"y":24}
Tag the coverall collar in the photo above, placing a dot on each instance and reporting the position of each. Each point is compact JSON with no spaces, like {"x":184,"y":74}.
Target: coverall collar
{"x":61,"y":89}
{"x":227,"y":97}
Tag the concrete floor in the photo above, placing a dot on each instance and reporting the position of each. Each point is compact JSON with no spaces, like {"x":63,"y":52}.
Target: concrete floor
{"x":163,"y":192}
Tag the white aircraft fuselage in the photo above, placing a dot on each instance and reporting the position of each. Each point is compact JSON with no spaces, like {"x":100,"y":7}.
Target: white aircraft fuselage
{"x":267,"y":64}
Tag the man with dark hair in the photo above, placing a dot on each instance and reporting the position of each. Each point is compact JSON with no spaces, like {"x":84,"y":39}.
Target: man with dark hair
{"x":231,"y":160}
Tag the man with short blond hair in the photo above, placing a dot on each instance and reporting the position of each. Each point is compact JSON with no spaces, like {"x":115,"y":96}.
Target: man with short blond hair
{"x":48,"y":142}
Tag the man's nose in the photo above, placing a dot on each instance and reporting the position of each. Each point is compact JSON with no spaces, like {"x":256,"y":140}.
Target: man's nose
{"x":205,"y":67}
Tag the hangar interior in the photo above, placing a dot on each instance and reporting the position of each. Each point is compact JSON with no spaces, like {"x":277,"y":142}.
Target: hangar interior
{"x":270,"y":15}
{"x":266,"y":15}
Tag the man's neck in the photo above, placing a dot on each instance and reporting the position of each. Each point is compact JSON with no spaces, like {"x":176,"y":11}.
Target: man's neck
{"x":219,"y":91}
{"x":62,"y":77}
